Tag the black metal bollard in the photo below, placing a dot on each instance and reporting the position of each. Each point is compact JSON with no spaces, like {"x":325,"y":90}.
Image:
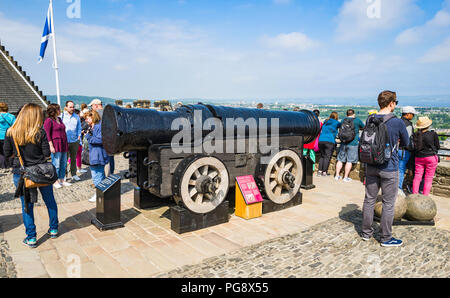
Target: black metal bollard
{"x":307,"y":181}
{"x":108,"y":204}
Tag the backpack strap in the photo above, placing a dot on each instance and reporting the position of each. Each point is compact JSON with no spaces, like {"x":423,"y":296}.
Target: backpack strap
{"x":388,"y":117}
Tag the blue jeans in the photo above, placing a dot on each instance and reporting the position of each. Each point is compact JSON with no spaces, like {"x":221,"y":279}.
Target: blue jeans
{"x":28,"y":218}
{"x":403,"y":158}
{"x":98,"y":174}
{"x":59,"y":160}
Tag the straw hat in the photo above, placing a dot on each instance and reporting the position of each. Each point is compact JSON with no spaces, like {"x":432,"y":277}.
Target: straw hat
{"x":424,"y":122}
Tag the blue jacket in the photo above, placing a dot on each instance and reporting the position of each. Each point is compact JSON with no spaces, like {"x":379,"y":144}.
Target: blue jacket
{"x":330,"y":130}
{"x":97,"y":154}
{"x":6,"y":121}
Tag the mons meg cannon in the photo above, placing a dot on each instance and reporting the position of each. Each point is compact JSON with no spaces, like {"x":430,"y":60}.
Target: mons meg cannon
{"x":195,"y":153}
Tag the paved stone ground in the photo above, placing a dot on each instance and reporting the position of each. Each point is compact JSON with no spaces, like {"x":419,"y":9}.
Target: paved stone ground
{"x":7,"y":269}
{"x":316,"y":239}
{"x":333,"y":249}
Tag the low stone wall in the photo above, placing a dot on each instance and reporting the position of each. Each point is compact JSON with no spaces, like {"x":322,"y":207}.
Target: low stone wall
{"x":441,"y":184}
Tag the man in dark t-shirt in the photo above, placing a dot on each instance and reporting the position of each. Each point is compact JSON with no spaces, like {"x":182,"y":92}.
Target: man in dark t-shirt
{"x":385,"y":176}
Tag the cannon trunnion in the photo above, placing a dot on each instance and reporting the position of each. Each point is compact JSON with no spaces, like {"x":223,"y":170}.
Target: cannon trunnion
{"x":196,"y":178}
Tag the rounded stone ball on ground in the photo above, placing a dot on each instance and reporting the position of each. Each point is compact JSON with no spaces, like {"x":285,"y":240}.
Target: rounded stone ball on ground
{"x":400,"y":207}
{"x":420,"y":208}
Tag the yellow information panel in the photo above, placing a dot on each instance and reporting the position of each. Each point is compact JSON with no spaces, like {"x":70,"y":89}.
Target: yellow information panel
{"x":248,"y":198}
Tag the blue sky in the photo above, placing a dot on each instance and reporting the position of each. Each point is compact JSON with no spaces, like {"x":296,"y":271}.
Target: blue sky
{"x":249,"y":49}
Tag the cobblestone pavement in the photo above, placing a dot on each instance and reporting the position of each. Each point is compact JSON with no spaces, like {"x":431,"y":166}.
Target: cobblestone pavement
{"x":7,"y":269}
{"x":333,"y":249}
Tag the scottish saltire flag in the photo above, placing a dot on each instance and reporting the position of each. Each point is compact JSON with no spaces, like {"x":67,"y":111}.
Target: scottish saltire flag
{"x":45,"y":36}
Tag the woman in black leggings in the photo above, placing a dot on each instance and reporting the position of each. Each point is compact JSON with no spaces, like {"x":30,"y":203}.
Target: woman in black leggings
{"x":327,"y":142}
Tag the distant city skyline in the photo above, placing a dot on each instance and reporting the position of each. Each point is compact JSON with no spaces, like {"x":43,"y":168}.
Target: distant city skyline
{"x":240,"y":50}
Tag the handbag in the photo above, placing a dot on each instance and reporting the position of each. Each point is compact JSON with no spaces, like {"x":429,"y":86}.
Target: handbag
{"x":40,"y":175}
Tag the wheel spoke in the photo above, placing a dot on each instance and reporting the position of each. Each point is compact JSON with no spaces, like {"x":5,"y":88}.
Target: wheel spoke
{"x":288,"y":166}
{"x":213,"y":175}
{"x":193,"y":192}
{"x":199,"y":199}
{"x":283,"y":162}
{"x":197,"y":174}
{"x":192,"y":182}
{"x":278,"y":190}
{"x":205,"y":170}
{"x":273,"y":184}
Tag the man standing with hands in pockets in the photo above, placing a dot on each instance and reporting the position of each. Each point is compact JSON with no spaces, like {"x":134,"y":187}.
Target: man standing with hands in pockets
{"x":73,"y":130}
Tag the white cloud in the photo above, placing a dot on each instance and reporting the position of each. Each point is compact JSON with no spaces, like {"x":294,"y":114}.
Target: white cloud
{"x":440,"y":23}
{"x":439,"y":53}
{"x":295,"y":41}
{"x":360,"y":19}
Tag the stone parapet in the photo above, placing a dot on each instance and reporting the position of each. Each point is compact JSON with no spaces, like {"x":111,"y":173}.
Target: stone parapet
{"x":441,"y":184}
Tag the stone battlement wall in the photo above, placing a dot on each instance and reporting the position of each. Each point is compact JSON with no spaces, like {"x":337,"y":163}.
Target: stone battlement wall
{"x":441,"y":184}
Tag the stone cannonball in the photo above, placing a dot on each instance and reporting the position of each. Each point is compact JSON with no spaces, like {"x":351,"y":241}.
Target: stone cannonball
{"x":420,"y":208}
{"x":400,"y":207}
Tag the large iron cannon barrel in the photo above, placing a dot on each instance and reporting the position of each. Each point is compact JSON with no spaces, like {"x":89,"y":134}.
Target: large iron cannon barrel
{"x":136,"y":129}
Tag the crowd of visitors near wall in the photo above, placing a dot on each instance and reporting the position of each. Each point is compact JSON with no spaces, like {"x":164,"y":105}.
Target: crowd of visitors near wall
{"x":37,"y":137}
{"x":407,"y":147}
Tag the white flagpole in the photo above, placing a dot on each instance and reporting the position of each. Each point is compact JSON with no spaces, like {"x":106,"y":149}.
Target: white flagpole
{"x":55,"y":57}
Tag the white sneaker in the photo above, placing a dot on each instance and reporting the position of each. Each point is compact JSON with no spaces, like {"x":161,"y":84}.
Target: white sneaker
{"x":65,"y":183}
{"x":82,"y":171}
{"x":348,"y":180}
{"x":93,"y":199}
{"x":337,"y":178}
{"x":76,"y":178}
{"x":57,"y":185}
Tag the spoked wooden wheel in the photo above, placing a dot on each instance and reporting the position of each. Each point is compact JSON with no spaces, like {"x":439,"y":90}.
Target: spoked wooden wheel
{"x":283,"y":177}
{"x":201,"y":184}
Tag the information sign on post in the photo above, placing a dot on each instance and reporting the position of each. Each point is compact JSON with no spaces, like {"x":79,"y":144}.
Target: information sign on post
{"x":248,"y":198}
{"x":108,"y":204}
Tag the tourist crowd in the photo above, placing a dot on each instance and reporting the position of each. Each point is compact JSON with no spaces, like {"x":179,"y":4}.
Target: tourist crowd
{"x":386,"y":160}
{"x":31,"y":141}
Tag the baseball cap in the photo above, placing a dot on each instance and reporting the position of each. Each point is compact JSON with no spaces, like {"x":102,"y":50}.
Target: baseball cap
{"x":409,"y":110}
{"x":95,"y":102}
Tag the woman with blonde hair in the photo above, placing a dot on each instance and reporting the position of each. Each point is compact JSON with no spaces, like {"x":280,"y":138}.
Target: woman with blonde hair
{"x":34,"y":149}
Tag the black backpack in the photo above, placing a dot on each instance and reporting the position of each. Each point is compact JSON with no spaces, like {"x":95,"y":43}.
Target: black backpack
{"x":374,"y":146}
{"x":347,"y":131}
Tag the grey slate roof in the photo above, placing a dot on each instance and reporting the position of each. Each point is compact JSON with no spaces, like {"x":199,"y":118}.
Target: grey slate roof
{"x":16,"y":88}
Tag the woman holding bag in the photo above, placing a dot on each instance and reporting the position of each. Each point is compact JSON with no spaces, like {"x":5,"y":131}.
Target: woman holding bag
{"x":31,"y":139}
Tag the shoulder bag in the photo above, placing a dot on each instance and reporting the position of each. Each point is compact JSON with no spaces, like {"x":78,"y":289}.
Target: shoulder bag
{"x":38,"y":175}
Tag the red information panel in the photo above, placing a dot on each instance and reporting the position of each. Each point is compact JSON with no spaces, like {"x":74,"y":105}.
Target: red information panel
{"x":249,"y":189}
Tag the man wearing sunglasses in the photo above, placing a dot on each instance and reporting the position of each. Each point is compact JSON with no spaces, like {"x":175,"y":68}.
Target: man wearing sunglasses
{"x":385,"y":176}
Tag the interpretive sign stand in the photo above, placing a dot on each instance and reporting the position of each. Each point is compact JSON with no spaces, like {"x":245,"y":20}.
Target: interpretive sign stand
{"x":108,"y":204}
{"x":248,"y":198}
{"x":307,"y":181}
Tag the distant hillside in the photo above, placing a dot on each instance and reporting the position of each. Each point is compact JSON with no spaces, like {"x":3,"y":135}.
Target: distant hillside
{"x":417,"y":101}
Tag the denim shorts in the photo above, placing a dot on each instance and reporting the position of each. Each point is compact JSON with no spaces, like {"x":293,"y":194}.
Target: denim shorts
{"x":348,"y":154}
